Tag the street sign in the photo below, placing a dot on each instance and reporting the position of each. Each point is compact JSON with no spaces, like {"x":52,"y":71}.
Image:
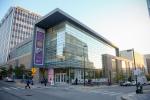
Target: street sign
{"x":33,"y":70}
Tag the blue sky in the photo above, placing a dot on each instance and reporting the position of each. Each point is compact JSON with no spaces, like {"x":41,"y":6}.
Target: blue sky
{"x":124,"y":22}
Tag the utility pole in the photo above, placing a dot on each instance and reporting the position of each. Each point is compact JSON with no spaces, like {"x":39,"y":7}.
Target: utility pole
{"x":84,"y":62}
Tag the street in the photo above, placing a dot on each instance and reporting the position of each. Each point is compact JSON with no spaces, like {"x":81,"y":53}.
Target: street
{"x":9,"y":90}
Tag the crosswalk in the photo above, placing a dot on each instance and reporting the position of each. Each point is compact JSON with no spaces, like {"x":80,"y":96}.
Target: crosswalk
{"x":106,"y":92}
{"x":110,"y":93}
{"x":22,"y":88}
{"x":11,"y":88}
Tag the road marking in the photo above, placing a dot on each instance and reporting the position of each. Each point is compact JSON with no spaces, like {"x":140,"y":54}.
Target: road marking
{"x":20,"y":88}
{"x":6,"y":88}
{"x":13,"y":88}
{"x":107,"y":92}
{"x":115,"y":94}
{"x":131,"y":94}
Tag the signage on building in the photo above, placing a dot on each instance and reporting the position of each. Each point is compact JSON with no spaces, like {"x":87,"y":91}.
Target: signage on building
{"x":33,"y":70}
{"x":39,"y":47}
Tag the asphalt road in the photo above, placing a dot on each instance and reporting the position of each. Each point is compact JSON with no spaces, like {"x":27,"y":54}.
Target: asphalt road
{"x":8,"y":90}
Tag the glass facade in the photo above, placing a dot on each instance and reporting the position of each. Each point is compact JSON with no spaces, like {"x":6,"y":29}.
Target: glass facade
{"x":69,"y":46}
{"x":21,"y":50}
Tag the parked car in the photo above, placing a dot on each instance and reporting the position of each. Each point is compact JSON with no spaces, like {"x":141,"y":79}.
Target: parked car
{"x":127,"y":83}
{"x":121,"y":83}
{"x":133,"y":83}
{"x":8,"y":79}
{"x":148,"y":83}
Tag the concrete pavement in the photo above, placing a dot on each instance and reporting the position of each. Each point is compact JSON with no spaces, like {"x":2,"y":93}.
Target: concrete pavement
{"x":70,"y":92}
{"x":134,"y":96}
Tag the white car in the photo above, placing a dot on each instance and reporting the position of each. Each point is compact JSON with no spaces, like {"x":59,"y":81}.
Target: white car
{"x":127,"y":83}
{"x":8,"y":79}
{"x":133,"y":83}
{"x":148,"y":83}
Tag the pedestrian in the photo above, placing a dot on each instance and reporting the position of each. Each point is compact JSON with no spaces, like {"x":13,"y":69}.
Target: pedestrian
{"x":45,"y":81}
{"x":76,"y":81}
{"x":27,"y":84}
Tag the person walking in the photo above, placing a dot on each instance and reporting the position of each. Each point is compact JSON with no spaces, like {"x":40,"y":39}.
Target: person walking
{"x":27,"y":84}
{"x":45,"y":81}
{"x":76,"y":81}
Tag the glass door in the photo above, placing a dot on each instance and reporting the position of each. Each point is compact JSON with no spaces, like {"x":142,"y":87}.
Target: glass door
{"x":60,"y":77}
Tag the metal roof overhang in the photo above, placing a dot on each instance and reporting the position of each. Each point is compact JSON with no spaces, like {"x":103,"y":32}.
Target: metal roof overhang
{"x":57,"y":16}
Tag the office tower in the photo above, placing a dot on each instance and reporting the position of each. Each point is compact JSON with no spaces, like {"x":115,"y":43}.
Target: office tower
{"x":16,"y":26}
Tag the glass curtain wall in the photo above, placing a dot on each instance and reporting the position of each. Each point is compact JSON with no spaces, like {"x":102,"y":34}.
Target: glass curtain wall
{"x":68,"y":46}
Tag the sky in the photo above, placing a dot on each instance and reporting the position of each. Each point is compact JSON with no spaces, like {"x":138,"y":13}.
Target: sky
{"x":126,"y":23}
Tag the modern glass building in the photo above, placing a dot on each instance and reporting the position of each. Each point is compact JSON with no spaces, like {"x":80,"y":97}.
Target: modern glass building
{"x":21,"y":54}
{"x":65,"y":49}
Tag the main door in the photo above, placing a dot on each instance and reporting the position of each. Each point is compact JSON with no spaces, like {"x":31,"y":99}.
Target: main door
{"x":60,"y":77}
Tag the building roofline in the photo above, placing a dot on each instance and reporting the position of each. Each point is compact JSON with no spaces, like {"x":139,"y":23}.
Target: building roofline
{"x":18,"y":7}
{"x":27,"y":10}
{"x":119,"y":58}
{"x":65,"y":16}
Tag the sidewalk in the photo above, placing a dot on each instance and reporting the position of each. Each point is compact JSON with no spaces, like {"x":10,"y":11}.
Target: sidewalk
{"x":134,"y":96}
{"x":68,"y":86}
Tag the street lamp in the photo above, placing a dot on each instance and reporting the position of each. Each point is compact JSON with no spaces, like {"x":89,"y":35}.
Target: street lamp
{"x":84,"y":62}
{"x":135,"y":68}
{"x":134,"y":65}
{"x":133,"y":54}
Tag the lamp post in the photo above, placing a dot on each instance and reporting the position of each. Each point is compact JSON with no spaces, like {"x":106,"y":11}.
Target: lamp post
{"x":84,"y":62}
{"x":134,"y":65}
{"x":133,"y":54}
{"x":135,"y":69}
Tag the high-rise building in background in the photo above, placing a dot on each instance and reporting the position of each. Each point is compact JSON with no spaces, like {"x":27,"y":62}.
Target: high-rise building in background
{"x":147,"y":62}
{"x":148,"y":5}
{"x":139,"y":58}
{"x":16,"y":26}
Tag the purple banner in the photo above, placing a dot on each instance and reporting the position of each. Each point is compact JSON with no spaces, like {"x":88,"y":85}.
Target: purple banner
{"x":39,"y":48}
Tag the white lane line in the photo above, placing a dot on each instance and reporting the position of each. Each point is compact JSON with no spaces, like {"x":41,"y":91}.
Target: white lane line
{"x":115,"y":94}
{"x":21,"y":88}
{"x":112,"y":93}
{"x":14,"y":88}
{"x":106,"y":92}
{"x":6,"y":88}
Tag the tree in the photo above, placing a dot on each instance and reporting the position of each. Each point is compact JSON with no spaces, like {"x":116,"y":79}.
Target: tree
{"x":17,"y":72}
{"x":22,"y":68}
{"x":4,"y":71}
{"x":10,"y":71}
{"x":20,"y":71}
{"x":120,"y":77}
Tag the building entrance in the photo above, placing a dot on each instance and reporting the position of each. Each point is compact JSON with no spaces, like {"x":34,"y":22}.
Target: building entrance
{"x":60,"y":77}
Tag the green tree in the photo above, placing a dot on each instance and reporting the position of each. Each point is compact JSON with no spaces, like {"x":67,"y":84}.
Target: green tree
{"x":10,"y":71}
{"x":4,"y":71}
{"x":19,"y":71}
{"x":120,"y":77}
